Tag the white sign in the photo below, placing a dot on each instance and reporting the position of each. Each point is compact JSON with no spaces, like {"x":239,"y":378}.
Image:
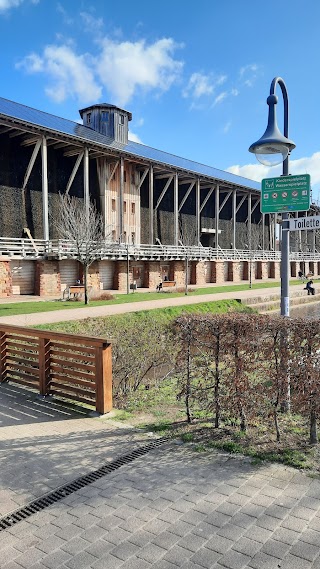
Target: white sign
{"x":300,"y":223}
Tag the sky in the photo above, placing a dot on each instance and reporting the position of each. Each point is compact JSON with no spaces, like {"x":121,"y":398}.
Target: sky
{"x":194,"y":74}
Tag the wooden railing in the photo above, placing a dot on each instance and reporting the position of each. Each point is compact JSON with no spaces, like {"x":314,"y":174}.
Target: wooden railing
{"x":53,"y":363}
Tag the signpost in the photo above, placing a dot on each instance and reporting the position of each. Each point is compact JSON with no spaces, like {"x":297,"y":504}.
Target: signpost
{"x":301,"y":223}
{"x":285,"y":194}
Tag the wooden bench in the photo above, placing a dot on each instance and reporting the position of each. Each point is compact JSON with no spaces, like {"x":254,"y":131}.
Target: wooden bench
{"x":165,"y":284}
{"x":75,"y":291}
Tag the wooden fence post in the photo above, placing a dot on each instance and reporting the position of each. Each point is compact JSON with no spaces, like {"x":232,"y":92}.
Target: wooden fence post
{"x":3,"y":356}
{"x":103,"y":378}
{"x":44,"y":365}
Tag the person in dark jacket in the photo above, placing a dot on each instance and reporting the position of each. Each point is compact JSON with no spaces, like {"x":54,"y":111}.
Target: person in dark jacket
{"x":310,"y":288}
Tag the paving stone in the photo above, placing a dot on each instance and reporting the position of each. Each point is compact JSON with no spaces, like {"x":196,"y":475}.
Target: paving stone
{"x":50,"y":544}
{"x":239,"y":499}
{"x":314,"y":524}
{"x":73,"y":546}
{"x":137,"y":563}
{"x":310,"y":502}
{"x":56,"y":560}
{"x":234,"y":560}
{"x":262,"y":560}
{"x":302,"y":513}
{"x":99,"y":548}
{"x":151,"y":552}
{"x":125,"y":550}
{"x":170,"y":515}
{"x":192,"y":542}
{"x":275,"y":548}
{"x":9,"y":554}
{"x":29,"y":558}
{"x":157,"y":526}
{"x":311,"y":536}
{"x":246,"y":546}
{"x":231,"y":531}
{"x":219,"y":544}
{"x":69,"y":532}
{"x":292,"y":562}
{"x":166,"y":539}
{"x":205,"y":558}
{"x":205,"y":530}
{"x":268,"y":522}
{"x":217,"y":519}
{"x":286,"y":535}
{"x":242,"y":520}
{"x":305,"y":550}
{"x":177,"y":555}
{"x":81,"y":561}
{"x":117,"y":535}
{"x":107,"y":562}
{"x":193,"y":517}
{"x":295,"y":524}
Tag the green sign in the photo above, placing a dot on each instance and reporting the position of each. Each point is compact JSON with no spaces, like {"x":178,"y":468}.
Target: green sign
{"x":286,"y":193}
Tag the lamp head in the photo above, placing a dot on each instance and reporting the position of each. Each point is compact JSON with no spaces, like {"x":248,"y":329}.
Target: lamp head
{"x":273,"y":147}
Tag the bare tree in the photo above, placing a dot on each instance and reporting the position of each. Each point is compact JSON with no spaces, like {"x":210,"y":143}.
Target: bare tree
{"x":82,"y":227}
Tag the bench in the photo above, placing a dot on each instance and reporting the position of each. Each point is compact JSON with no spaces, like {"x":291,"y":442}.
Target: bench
{"x":166,"y":284}
{"x":76,"y":291}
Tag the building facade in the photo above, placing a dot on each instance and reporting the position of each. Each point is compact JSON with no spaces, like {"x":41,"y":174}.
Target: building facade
{"x":158,"y":209}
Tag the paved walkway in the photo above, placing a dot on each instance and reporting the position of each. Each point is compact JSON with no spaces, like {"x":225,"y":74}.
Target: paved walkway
{"x":170,"y":508}
{"x":165,"y":300}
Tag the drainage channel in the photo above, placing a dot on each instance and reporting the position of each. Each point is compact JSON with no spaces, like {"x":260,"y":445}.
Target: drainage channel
{"x":47,"y":499}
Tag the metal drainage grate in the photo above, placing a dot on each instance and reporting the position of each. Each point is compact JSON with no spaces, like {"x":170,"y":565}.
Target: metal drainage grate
{"x":52,"y":497}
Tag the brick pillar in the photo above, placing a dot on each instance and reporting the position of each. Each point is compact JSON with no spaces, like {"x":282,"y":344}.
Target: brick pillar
{"x":236,"y":274}
{"x":264,"y":270}
{"x":179,"y":273}
{"x":218,"y":272}
{"x":93,"y":275}
{"x":152,"y":274}
{"x":277,"y":270}
{"x":293,"y":269}
{"x":5,"y":279}
{"x":200,"y":273}
{"x":47,"y":278}
{"x":120,"y":276}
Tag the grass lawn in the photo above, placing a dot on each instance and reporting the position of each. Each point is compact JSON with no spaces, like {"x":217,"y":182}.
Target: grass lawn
{"x":11,"y":309}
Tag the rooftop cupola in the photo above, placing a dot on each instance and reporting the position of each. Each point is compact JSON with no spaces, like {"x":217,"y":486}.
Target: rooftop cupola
{"x":108,"y":120}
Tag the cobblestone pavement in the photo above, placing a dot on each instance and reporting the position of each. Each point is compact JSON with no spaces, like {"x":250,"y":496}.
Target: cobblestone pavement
{"x":171,"y":508}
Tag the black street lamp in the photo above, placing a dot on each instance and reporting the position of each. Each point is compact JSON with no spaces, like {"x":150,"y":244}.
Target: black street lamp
{"x":271,"y":149}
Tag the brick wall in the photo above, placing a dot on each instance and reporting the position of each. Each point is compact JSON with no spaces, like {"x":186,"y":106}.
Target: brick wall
{"x":178,"y":272}
{"x":152,"y":274}
{"x":5,"y":279}
{"x":47,"y":278}
{"x":120,"y":276}
{"x":218,"y":272}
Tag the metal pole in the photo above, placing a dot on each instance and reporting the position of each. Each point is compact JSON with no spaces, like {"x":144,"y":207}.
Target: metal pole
{"x":128,"y":268}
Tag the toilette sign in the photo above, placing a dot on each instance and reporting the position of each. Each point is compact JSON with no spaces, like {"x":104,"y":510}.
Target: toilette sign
{"x":301,"y":223}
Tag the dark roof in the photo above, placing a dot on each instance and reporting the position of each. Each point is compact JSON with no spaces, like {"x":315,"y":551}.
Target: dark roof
{"x":58,"y":125}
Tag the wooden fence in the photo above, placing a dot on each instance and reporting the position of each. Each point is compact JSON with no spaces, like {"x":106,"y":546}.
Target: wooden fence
{"x":54,"y":363}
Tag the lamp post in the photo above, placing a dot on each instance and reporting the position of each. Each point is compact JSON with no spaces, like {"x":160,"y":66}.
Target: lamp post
{"x":271,"y":149}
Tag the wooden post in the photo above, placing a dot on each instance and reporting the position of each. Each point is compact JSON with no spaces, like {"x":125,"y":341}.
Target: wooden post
{"x":103,"y":378}
{"x":44,"y":365}
{"x":3,"y":349}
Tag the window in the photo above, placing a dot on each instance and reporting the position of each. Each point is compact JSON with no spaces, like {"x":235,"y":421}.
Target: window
{"x":113,"y":235}
{"x":133,"y":207}
{"x":133,"y":177}
{"x":105,"y":116}
{"x":124,"y":207}
{"x":88,"y":118}
{"x":113,"y":205}
{"x":133,"y":238}
{"x":121,"y":119}
{"x":124,"y":176}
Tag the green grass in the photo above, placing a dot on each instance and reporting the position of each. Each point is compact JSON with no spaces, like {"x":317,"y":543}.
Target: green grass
{"x":15,"y":308}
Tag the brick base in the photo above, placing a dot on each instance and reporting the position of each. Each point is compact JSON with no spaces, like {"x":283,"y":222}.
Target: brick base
{"x":5,"y":279}
{"x":47,"y":278}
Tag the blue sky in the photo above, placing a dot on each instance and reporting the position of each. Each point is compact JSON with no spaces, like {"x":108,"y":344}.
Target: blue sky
{"x":195,"y":75}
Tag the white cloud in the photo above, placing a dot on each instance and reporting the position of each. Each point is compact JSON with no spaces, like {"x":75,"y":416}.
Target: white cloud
{"x":7,"y":4}
{"x":69,"y":74}
{"x":91,"y":23}
{"x":220,"y":98}
{"x":227,"y":127}
{"x":125,"y":67}
{"x":248,"y":74}
{"x":200,"y":85}
{"x":134,"y":137}
{"x":309,"y":165}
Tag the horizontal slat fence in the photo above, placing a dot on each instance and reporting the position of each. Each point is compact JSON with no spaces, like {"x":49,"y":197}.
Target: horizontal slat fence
{"x":64,"y":365}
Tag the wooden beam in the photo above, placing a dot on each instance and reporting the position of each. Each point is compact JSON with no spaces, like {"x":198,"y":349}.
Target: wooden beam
{"x":185,"y":197}
{"x":163,"y":192}
{"x":74,"y":171}
{"x":209,"y":194}
{"x":31,"y":163}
